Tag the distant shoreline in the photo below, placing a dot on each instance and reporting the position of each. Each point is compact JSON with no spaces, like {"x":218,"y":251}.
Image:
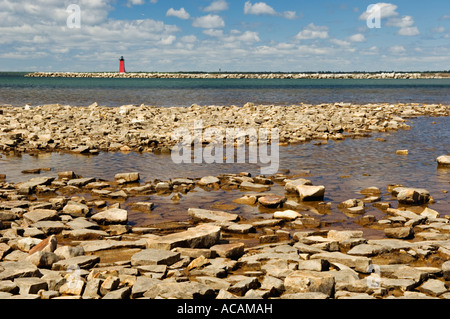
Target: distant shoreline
{"x":200,"y":75}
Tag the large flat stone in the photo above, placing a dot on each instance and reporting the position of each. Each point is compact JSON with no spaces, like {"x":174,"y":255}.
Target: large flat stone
{"x":83,"y":262}
{"x":154,"y":257}
{"x":359,"y":263}
{"x":111,"y":216}
{"x":212,"y":216}
{"x":203,"y":236}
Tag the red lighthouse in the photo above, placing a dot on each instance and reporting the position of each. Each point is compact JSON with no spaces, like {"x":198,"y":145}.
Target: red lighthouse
{"x":122,"y":65}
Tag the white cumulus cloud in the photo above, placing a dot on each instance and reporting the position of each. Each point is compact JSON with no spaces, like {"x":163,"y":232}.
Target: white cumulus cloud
{"x":217,"y":6}
{"x":181,"y":13}
{"x":311,"y":31}
{"x":210,"y":21}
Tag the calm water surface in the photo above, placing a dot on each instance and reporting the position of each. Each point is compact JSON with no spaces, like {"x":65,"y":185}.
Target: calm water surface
{"x":343,"y":167}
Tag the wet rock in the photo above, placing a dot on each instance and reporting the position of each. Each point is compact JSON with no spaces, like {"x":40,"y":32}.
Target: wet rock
{"x":182,"y":290}
{"x":154,"y":257}
{"x":208,"y":180}
{"x":76,"y":209}
{"x":83,"y":262}
{"x":111,"y":216}
{"x":443,"y":161}
{"x":203,"y":236}
{"x":411,"y":196}
{"x":50,"y":227}
{"x":287,"y":215}
{"x":309,"y":281}
{"x":40,"y":214}
{"x":43,"y":259}
{"x":433,"y":287}
{"x":291,"y":185}
{"x":249,"y":186}
{"x":272,"y":201}
{"x":399,"y":232}
{"x":30,"y":285}
{"x":232,"y":251}
{"x":246,"y":200}
{"x":18,"y":269}
{"x":211,"y":216}
{"x":80,"y":182}
{"x":359,"y":263}
{"x":310,"y":193}
{"x":128,"y":177}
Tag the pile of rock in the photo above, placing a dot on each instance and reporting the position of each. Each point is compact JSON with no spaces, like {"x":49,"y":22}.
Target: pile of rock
{"x":154,"y":75}
{"x":62,"y":246}
{"x":89,"y":130}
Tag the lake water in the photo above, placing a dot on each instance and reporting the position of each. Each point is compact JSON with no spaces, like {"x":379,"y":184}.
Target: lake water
{"x":17,"y":90}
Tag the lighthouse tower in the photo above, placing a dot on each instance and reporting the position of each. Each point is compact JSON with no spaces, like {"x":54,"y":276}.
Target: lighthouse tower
{"x":122,"y":65}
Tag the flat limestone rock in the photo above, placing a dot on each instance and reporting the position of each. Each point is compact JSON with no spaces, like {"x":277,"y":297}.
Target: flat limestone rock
{"x":203,"y":236}
{"x":359,"y":263}
{"x":310,"y":193}
{"x":154,"y":257}
{"x":111,"y":216}
{"x":212,"y":216}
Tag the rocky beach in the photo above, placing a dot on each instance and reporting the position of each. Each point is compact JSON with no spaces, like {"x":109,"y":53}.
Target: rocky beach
{"x":72,"y":236}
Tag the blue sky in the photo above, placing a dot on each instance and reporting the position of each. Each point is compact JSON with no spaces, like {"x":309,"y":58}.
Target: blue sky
{"x":231,"y":35}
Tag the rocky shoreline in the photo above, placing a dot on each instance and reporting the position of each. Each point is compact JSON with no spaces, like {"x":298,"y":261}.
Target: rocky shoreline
{"x":71,"y":237}
{"x":155,"y":75}
{"x":94,"y":129}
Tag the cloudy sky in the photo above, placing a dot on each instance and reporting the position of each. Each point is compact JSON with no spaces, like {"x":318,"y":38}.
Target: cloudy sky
{"x":231,"y":35}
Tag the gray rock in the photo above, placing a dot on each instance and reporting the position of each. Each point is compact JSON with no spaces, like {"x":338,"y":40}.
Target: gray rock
{"x":83,"y":262}
{"x":128,"y":177}
{"x":111,"y":216}
{"x":76,"y":209}
{"x":399,"y":232}
{"x":43,"y":259}
{"x":37,"y":215}
{"x":212,"y":216}
{"x":154,"y":257}
{"x":242,"y":286}
{"x":122,"y":293}
{"x":433,"y":287}
{"x":50,"y":227}
{"x":181,"y":290}
{"x":81,"y":223}
{"x":411,"y":196}
{"x":446,"y":270}
{"x":142,"y":285}
{"x":309,"y":281}
{"x":203,"y":236}
{"x":30,"y":285}
{"x":443,"y":161}
{"x":359,"y":263}
{"x":67,"y":252}
{"x":80,"y":182}
{"x":310,"y":193}
{"x":18,"y":269}
{"x":8,"y":286}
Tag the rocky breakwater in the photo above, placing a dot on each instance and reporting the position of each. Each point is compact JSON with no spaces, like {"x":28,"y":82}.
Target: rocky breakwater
{"x":89,"y":130}
{"x":71,"y":237}
{"x":154,"y":75}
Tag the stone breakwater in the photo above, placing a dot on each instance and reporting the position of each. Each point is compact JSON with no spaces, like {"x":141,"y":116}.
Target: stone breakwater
{"x":70,"y":237}
{"x":383,"y":75}
{"x":89,"y":130}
